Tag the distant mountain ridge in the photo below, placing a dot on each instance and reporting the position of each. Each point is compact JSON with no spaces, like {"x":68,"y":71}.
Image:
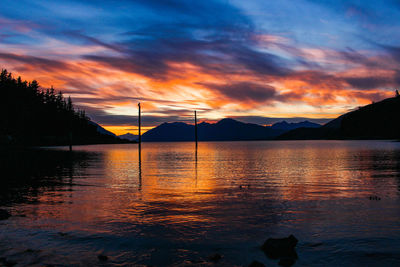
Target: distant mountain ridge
{"x":380,"y":120}
{"x":129,"y":137}
{"x":283,"y":125}
{"x":224,"y":130}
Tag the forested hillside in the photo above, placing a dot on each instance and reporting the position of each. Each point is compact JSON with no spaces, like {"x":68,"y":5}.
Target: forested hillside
{"x":30,"y":115}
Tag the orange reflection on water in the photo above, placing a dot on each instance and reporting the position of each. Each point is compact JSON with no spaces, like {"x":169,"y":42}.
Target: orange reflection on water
{"x":172,"y":185}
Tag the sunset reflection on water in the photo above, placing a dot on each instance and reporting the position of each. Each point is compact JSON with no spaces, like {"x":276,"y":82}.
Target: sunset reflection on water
{"x":178,"y":204}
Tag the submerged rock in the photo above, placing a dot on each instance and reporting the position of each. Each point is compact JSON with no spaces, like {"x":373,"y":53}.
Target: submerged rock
{"x":256,"y":264}
{"x":279,"y":246}
{"x":374,"y":198}
{"x":282,"y":249}
{"x":215,"y":258}
{"x":7,"y":263}
{"x":62,"y":234}
{"x":29,"y":250}
{"x":102,"y":257}
{"x":4,"y":215}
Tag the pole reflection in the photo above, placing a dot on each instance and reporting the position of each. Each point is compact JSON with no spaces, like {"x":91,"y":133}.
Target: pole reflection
{"x":140,"y":169}
{"x":195,"y":164}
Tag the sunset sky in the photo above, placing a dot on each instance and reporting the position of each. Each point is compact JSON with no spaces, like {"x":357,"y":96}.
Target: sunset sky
{"x":255,"y":60}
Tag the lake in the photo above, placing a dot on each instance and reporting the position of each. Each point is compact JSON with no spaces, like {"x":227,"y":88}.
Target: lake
{"x":177,"y":206}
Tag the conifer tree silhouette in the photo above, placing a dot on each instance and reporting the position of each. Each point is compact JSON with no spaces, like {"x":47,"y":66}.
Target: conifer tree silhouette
{"x":32,"y":115}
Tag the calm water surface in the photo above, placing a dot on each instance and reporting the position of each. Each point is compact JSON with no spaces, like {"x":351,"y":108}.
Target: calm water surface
{"x":176,"y":206}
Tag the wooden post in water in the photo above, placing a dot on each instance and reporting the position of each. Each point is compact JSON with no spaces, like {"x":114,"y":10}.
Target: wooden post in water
{"x":195,"y":127}
{"x":140,"y":169}
{"x":139,"y":122}
{"x":140,"y":148}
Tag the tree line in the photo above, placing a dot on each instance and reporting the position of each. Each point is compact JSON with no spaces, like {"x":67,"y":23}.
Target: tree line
{"x":30,"y":115}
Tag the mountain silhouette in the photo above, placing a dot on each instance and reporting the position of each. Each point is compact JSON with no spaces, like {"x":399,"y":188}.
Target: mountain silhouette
{"x":224,"y":130}
{"x":379,"y":120}
{"x":230,"y":129}
{"x":101,"y":130}
{"x":283,"y":125}
{"x":129,"y":137}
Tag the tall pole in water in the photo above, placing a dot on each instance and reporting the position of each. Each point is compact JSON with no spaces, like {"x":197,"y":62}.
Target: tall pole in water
{"x":195,"y":127}
{"x":140,"y":148}
{"x":195,"y":149}
{"x":140,"y":136}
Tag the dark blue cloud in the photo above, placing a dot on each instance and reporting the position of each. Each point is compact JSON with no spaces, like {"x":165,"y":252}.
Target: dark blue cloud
{"x":369,"y":82}
{"x":37,"y":62}
{"x":144,"y":35}
{"x":245,"y":91}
